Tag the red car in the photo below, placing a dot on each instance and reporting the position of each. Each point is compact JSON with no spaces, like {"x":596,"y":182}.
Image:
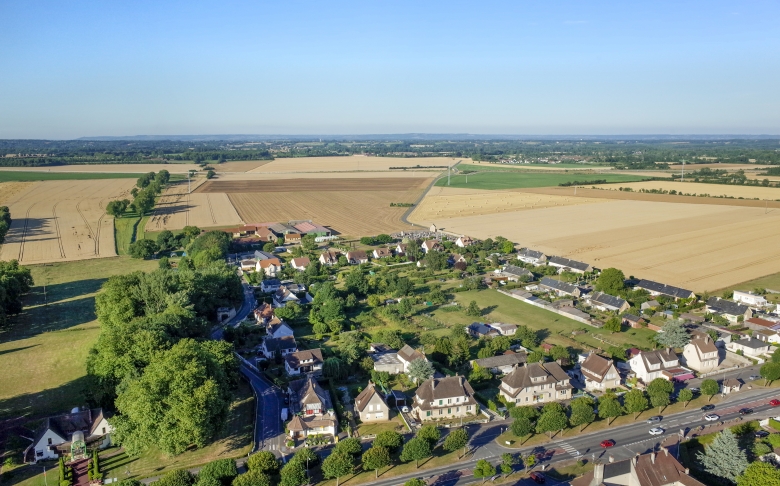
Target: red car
{"x":538,"y":478}
{"x":607,"y":443}
{"x":775,"y":402}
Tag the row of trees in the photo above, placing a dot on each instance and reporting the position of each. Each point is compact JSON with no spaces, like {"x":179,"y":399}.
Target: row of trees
{"x":5,"y":222}
{"x":147,"y":188}
{"x":15,"y":282}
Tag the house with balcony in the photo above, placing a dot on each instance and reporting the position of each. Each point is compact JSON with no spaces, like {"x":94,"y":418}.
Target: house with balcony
{"x":444,"y":398}
{"x":536,"y":383}
{"x":308,"y":361}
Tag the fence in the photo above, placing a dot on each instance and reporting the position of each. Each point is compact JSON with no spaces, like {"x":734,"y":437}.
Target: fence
{"x":543,"y":304}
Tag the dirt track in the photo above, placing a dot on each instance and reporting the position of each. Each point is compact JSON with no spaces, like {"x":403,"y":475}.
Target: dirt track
{"x":308,"y":185}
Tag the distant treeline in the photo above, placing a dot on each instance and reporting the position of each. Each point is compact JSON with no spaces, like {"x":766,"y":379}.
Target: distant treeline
{"x":422,"y":167}
{"x":582,"y":183}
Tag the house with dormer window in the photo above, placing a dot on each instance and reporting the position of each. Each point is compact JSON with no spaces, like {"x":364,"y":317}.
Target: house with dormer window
{"x":444,"y":398}
{"x":662,"y":363}
{"x":536,"y":383}
{"x":599,"y":373}
{"x":304,"y":362}
{"x":313,"y":412}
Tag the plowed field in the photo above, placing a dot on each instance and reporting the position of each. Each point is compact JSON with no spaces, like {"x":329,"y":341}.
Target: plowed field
{"x":63,"y":220}
{"x":307,"y":184}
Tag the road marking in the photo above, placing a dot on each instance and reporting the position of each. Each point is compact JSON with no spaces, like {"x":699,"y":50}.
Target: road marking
{"x":571,"y":450}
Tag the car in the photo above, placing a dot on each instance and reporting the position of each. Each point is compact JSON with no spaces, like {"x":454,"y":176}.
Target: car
{"x":694,"y":390}
{"x":537,"y":477}
{"x":707,"y":408}
{"x":656,"y":431}
{"x":760,"y":434}
{"x":654,"y":418}
{"x":405,"y":409}
{"x":774,"y":402}
{"x":607,"y":443}
{"x":745,"y":411}
{"x":753,"y":377}
{"x":711,"y":417}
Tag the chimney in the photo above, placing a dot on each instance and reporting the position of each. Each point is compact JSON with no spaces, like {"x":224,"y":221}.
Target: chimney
{"x":652,"y":457}
{"x":598,"y":474}
{"x":633,"y":460}
{"x":666,"y":451}
{"x":687,"y":471}
{"x":611,"y":459}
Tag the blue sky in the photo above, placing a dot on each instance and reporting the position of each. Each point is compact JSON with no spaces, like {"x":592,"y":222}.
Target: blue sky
{"x":72,"y":69}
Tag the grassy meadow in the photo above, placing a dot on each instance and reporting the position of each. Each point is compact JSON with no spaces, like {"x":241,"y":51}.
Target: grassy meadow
{"x":517,"y":179}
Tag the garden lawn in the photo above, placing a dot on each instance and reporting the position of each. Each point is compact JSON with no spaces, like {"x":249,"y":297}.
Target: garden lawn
{"x":395,"y":424}
{"x":524,"y":179}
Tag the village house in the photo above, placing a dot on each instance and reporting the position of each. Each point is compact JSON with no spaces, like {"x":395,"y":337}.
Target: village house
{"x":649,"y":365}
{"x":248,"y":265}
{"x":407,"y":354}
{"x":533,"y":257}
{"x":277,"y":328}
{"x":306,"y":361}
{"x":504,"y":329}
{"x":767,"y":335}
{"x":329,"y":257}
{"x":514,"y":273}
{"x":655,"y":289}
{"x":757,"y":323}
{"x":652,"y":469}
{"x":68,"y":435}
{"x":732,"y":311}
{"x":300,"y":263}
{"x":607,"y":303}
{"x":270,"y":285}
{"x":478,"y":330}
{"x":559,"y":288}
{"x":730,"y":385}
{"x":599,"y":374}
{"x":371,"y":406}
{"x":444,"y":398}
{"x":400,"y":249}
{"x":270,"y":267}
{"x":386,"y":359}
{"x":382,"y":253}
{"x":356,"y":257}
{"x":501,"y":364}
{"x":283,"y":345}
{"x":265,"y":234}
{"x":464,"y":241}
{"x":633,"y":321}
{"x":290,"y":293}
{"x":749,"y":298}
{"x":431,"y":245}
{"x":701,"y":354}
{"x":567,"y":265}
{"x":264,"y":313}
{"x":292,"y":238}
{"x":310,"y":228}
{"x":750,"y":347}
{"x":312,"y":409}
{"x":536,"y":383}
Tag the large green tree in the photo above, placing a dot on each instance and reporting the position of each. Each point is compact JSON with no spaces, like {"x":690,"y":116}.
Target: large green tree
{"x":484,"y":470}
{"x":710,"y":387}
{"x":770,"y":372}
{"x":416,"y":449}
{"x":263,"y":461}
{"x":673,"y":335}
{"x":337,"y":465}
{"x":551,"y":420}
{"x":581,"y":412}
{"x":611,"y":281}
{"x":420,"y":370}
{"x":15,"y":282}
{"x":609,"y":408}
{"x":222,"y":470}
{"x":293,"y":473}
{"x":376,"y":458}
{"x":389,"y":439}
{"x":723,"y":457}
{"x":759,"y":474}
{"x":635,"y":401}
{"x":456,"y":439}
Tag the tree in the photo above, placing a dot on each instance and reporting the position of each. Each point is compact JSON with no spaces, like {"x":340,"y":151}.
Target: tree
{"x":263,"y":461}
{"x":524,"y":412}
{"x":581,"y":412}
{"x":635,"y":402}
{"x":521,"y":427}
{"x":613,"y":324}
{"x":776,"y":356}
{"x":456,"y":439}
{"x":484,"y":470}
{"x":420,"y":370}
{"x":559,"y":352}
{"x":15,"y":282}
{"x":479,"y":373}
{"x":770,"y":372}
{"x":529,"y":461}
{"x":117,"y":208}
{"x":143,"y":248}
{"x":336,"y":465}
{"x":534,"y":357}
{"x":507,"y":461}
{"x":611,"y":281}
{"x":660,"y":400}
{"x":507,"y":247}
{"x":415,"y":482}
{"x":673,"y":335}
{"x":376,"y":458}
{"x":429,"y":432}
{"x":723,"y":457}
{"x":527,"y":337}
{"x":293,"y":473}
{"x":759,"y":474}
{"x":143,"y":202}
{"x":686,"y":396}
{"x":222,"y":470}
{"x":349,"y":446}
{"x":473,"y":309}
{"x":389,"y":439}
{"x":551,"y":421}
{"x":660,"y":385}
{"x":460,"y":353}
{"x":252,"y":478}
{"x":609,"y":408}
{"x":177,"y":478}
{"x":416,"y":449}
{"x":351,"y":347}
{"x":710,"y":387}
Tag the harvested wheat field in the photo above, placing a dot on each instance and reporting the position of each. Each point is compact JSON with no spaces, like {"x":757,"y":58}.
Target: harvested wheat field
{"x":354,"y":163}
{"x":696,"y":246}
{"x":728,"y":190}
{"x":63,"y":220}
{"x":239,"y":165}
{"x":450,"y":202}
{"x":255,"y":176}
{"x":110,"y":168}
{"x":351,"y":213}
{"x":176,"y":209}
{"x":728,"y":167}
{"x":9,"y":189}
{"x":311,"y":184}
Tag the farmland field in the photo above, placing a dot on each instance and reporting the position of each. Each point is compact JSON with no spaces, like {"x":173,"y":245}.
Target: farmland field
{"x":176,"y":209}
{"x":352,"y":213}
{"x":353,"y":163}
{"x":63,"y":220}
{"x":770,"y":193}
{"x":520,"y":179}
{"x":8,"y":175}
{"x":311,"y":184}
{"x":9,"y":189}
{"x":128,"y":169}
{"x":552,"y":167}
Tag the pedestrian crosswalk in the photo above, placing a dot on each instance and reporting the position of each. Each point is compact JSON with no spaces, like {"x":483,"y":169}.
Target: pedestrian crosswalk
{"x":571,"y":450}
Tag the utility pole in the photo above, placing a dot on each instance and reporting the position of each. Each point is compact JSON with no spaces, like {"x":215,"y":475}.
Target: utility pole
{"x":189,"y":187}
{"x":448,"y":174}
{"x":682,"y":175}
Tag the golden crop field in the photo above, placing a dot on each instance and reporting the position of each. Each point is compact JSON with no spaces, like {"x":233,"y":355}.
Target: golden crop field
{"x":353,"y":163}
{"x":747,"y":192}
{"x":9,"y":189}
{"x":176,"y":209}
{"x":351,"y":213}
{"x":110,"y":168}
{"x":63,"y":220}
{"x":696,"y":246}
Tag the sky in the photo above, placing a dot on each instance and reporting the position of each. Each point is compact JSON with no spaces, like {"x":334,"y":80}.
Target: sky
{"x":73,"y":69}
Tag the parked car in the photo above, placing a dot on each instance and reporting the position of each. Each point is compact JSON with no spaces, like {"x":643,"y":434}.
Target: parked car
{"x":745,"y":411}
{"x":707,"y":408}
{"x":656,"y":431}
{"x":537,"y":477}
{"x":711,"y":417}
{"x":753,"y":377}
{"x":695,"y":390}
{"x":654,"y":418}
{"x":607,"y":443}
{"x":760,"y":434}
{"x":774,"y":402}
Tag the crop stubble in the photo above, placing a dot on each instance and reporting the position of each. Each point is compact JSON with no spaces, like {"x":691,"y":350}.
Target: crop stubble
{"x":176,"y":209}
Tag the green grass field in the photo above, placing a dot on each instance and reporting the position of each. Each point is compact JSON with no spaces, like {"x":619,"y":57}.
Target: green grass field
{"x":768,"y":282}
{"x":516,"y":179}
{"x":44,"y":348}
{"x":125,"y":232}
{"x":9,"y":176}
{"x":566,"y":165}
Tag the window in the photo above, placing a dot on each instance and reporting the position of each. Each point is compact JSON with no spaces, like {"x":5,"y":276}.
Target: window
{"x":468,"y":407}
{"x":441,"y":411}
{"x":370,"y":408}
{"x":449,"y":400}
{"x":449,"y":411}
{"x":441,"y":402}
{"x":49,"y":440}
{"x":428,"y":413}
{"x":104,"y":431}
{"x":457,"y":409}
